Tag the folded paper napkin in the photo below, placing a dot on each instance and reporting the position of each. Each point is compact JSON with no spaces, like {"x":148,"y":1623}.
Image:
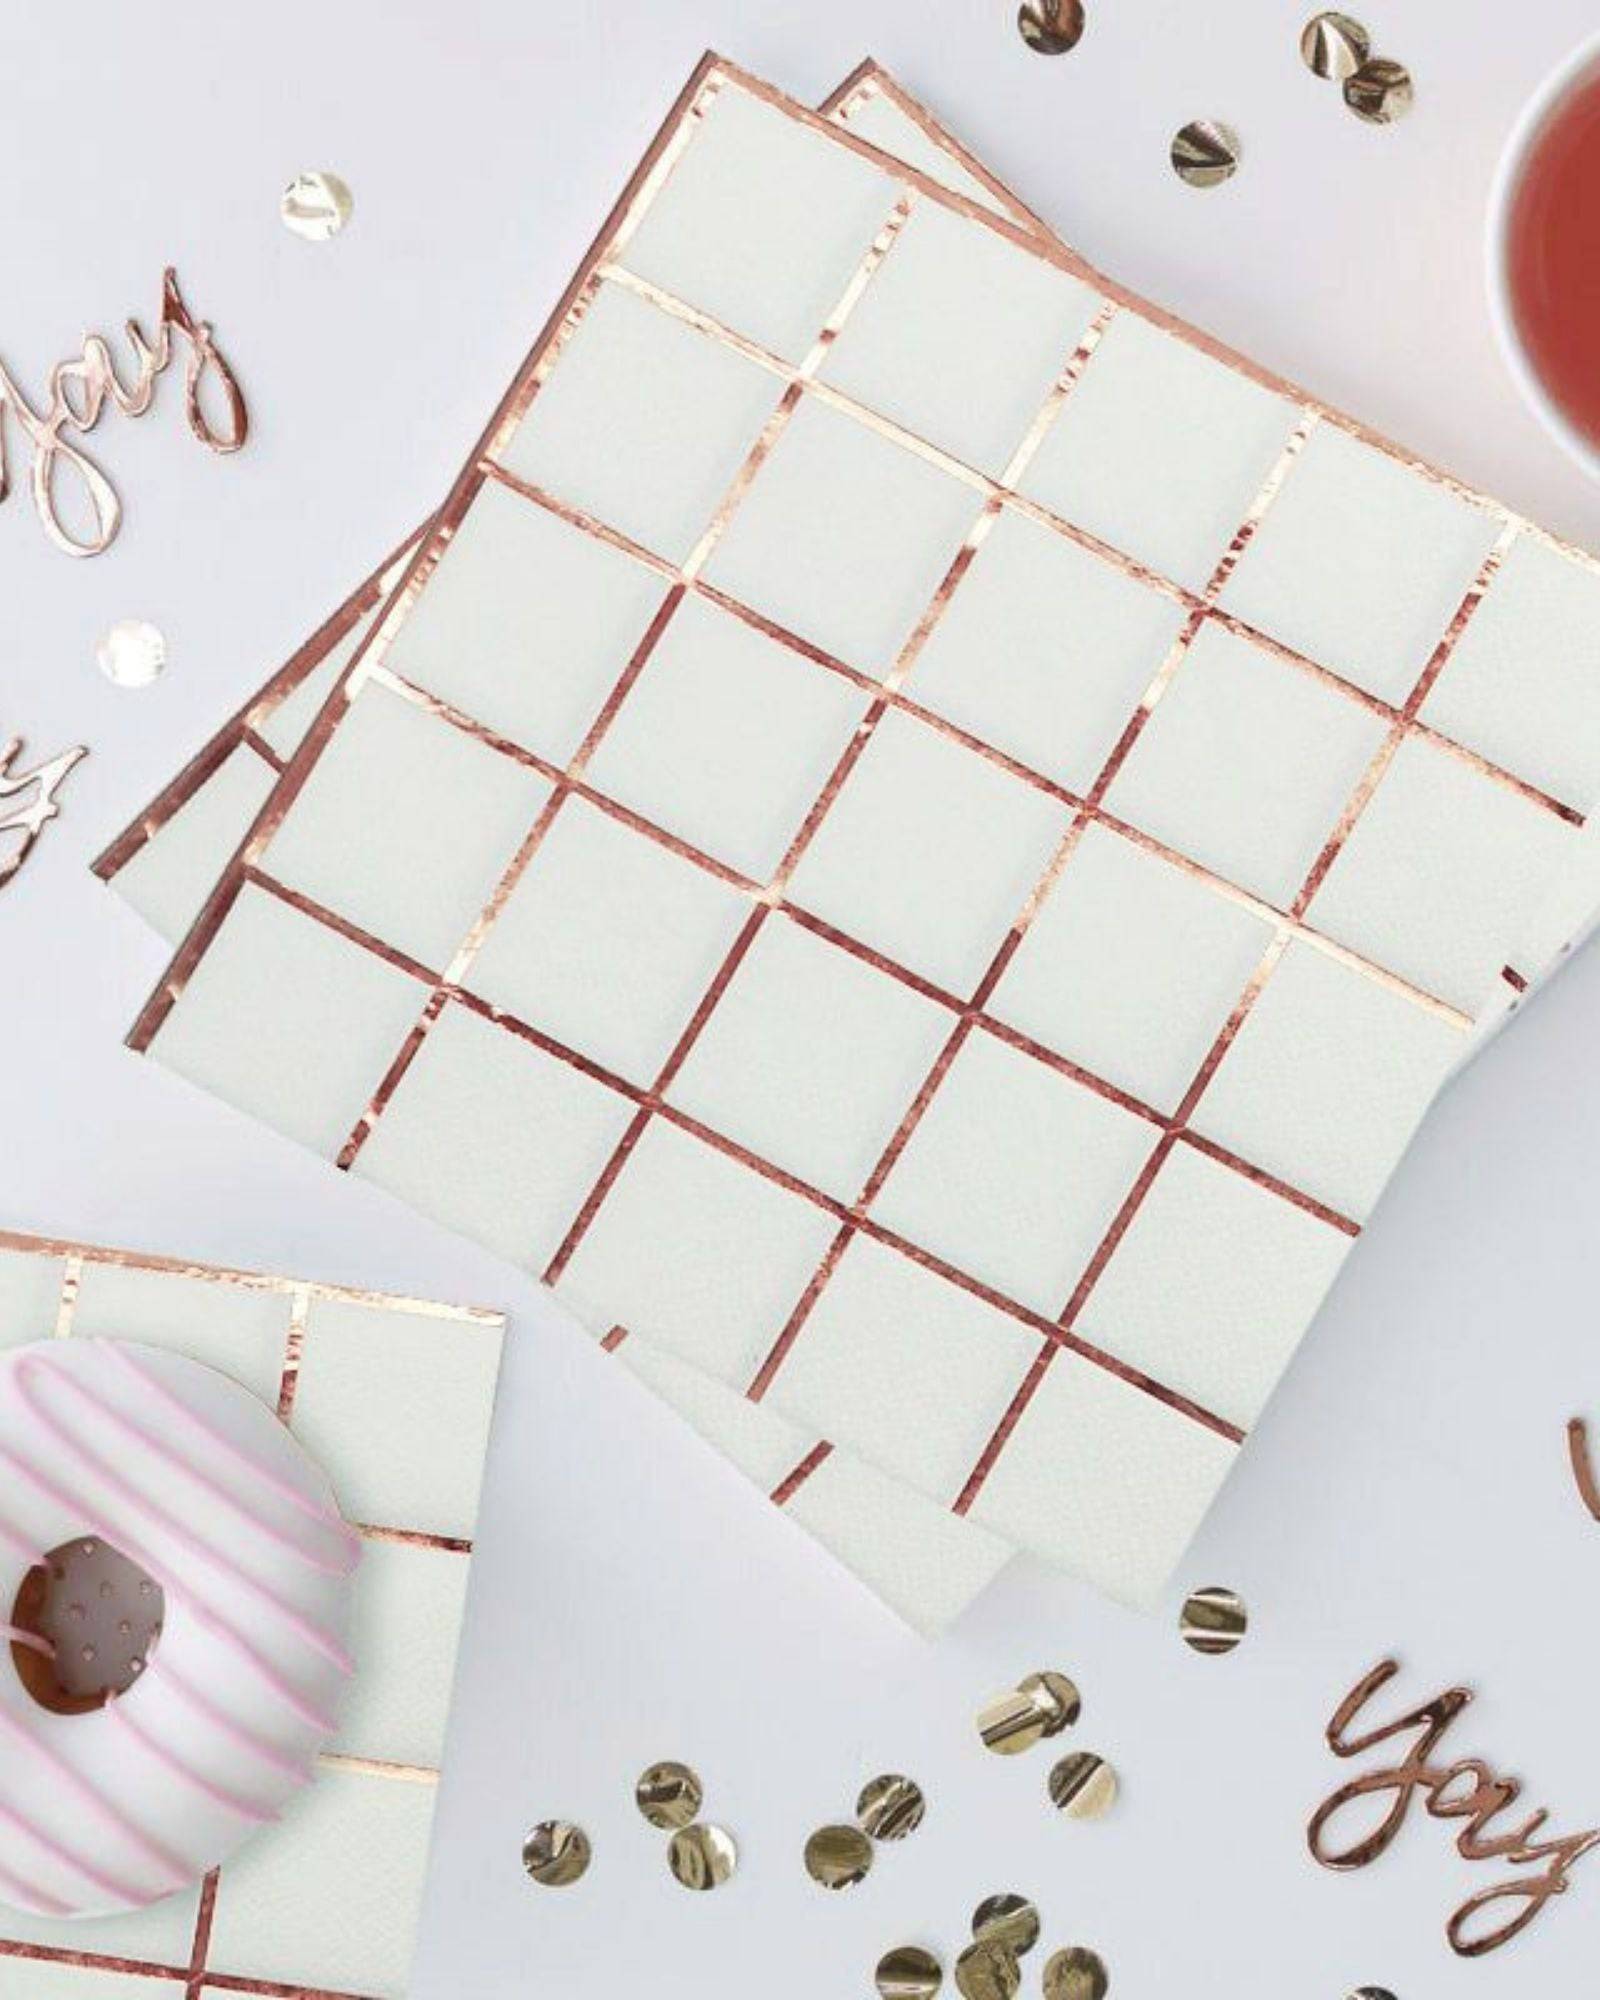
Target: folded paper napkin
{"x":917,"y":834}
{"x":327,"y":1899}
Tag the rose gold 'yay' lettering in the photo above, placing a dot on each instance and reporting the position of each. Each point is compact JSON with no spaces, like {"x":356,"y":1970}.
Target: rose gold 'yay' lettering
{"x":75,"y":398}
{"x":1466,"y":1790}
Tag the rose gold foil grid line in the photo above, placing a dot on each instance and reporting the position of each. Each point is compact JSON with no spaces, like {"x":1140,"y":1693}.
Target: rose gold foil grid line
{"x":1003,"y":492}
{"x":87,"y":1255}
{"x":572,"y":775}
{"x":294,"y":1347}
{"x":205,"y":1920}
{"x":796,"y":1477}
{"x":21,"y":1949}
{"x":67,"y":1304}
{"x":895,"y":698}
{"x":1048,"y":248}
{"x":944,"y":1062}
{"x":378,"y":1767}
{"x":1360,"y":798}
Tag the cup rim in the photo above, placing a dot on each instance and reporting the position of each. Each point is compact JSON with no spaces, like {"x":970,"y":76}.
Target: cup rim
{"x":1531,"y":121}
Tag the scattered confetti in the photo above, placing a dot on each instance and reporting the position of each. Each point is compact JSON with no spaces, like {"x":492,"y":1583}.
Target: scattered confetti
{"x":132,"y":654}
{"x":890,"y":1807}
{"x":1051,"y":27}
{"x":1380,"y":91}
{"x":1334,"y":45}
{"x":1083,"y":1785}
{"x":701,"y":1856}
{"x":1076,"y":1974}
{"x":1008,"y":1919}
{"x":669,"y":1795}
{"x":316,"y":206}
{"x":1205,"y":153}
{"x":838,"y":1856}
{"x":1214,"y":1620}
{"x":908,"y":1973}
{"x":1040,"y":1705}
{"x":556,"y":1853}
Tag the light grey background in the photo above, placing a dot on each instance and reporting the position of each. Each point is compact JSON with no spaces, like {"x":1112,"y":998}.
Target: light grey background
{"x":635,"y":1600}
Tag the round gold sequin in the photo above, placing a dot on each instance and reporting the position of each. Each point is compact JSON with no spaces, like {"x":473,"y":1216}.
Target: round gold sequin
{"x":1083,"y":1785}
{"x":1371,"y":1993}
{"x":132,"y":653}
{"x":669,"y":1795}
{"x":838,"y":1856}
{"x":1040,"y":1705}
{"x":702,"y":1857}
{"x":1051,"y":27}
{"x":316,"y":206}
{"x":556,"y":1853}
{"x":1214,"y":1620}
{"x":1008,"y":1919}
{"x":890,"y":1807}
{"x":908,"y":1973}
{"x":1334,"y":45}
{"x":1205,"y":153}
{"x":1056,"y":1697}
{"x":1076,"y":1974}
{"x":1380,"y":91}
{"x":988,"y":1970}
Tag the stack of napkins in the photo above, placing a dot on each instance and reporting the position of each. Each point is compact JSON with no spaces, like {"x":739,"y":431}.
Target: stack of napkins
{"x":914,"y":836}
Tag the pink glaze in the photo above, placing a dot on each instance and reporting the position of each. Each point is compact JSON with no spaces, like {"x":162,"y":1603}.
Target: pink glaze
{"x":34,"y":1900}
{"x":249,"y":1809}
{"x":158,"y":1668}
{"x":176,"y":1868}
{"x":209,"y":1620}
{"x":195,"y":1546}
{"x":286,"y":1490}
{"x":118,"y":1892}
{"x":223,"y":1495}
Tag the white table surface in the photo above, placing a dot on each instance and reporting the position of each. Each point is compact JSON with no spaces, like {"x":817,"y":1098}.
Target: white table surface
{"x":635,"y":1599}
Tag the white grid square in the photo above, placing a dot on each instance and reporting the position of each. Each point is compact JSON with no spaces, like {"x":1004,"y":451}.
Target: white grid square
{"x":1327,"y":1079}
{"x":727,"y":737}
{"x":1159,"y":450}
{"x":168,"y":880}
{"x":844,"y":537}
{"x":1437,"y":873}
{"x":1361,"y":563}
{"x":1130,"y":967}
{"x":287,"y":1021}
{"x":762,"y":223}
{"x":643,"y":423}
{"x":1523,"y":684}
{"x":904,"y":1367}
{"x":405,"y":825}
{"x":810,"y":1058}
{"x":1246,"y":764}
{"x":526,"y":624}
{"x":960,"y":338}
{"x":1014,"y":1173}
{"x":696,"y":1252}
{"x":1249,"y":1268}
{"x":1045,"y":651}
{"x":493,"y":1138}
{"x":929,"y":853}
{"x":607,"y":941}
{"x":1103,"y":1479}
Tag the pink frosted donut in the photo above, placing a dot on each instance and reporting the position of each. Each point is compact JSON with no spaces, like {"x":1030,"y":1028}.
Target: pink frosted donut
{"x":174,"y":1609}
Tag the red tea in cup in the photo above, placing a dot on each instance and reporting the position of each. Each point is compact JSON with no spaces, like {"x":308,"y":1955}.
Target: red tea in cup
{"x":1553,"y":256}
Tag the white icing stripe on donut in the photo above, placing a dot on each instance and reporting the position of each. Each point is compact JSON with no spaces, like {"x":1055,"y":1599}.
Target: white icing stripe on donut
{"x":174,"y":1865}
{"x":290,"y":1494}
{"x":209,"y":1620}
{"x":119,"y":1892}
{"x":27,"y":1896}
{"x":159,"y":1668}
{"x":126,"y":1426}
{"x":15,"y":1636}
{"x":305,"y":1629}
{"x":248,"y":1809}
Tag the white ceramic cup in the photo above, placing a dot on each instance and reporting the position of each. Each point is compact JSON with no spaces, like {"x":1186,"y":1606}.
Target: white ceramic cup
{"x":1579,"y":68}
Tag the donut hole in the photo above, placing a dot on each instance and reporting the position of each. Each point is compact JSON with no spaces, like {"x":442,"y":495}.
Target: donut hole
{"x":83,"y":1626}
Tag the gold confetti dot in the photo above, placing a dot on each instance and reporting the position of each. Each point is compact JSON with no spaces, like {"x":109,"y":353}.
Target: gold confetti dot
{"x":669,"y":1795}
{"x":1380,"y":91}
{"x":1051,"y":27}
{"x":1205,"y":153}
{"x":838,"y":1856}
{"x":316,"y":206}
{"x":908,"y":1973}
{"x":988,"y":1970}
{"x":1041,"y":1705}
{"x":1371,"y":1993}
{"x":556,"y":1853}
{"x":702,"y":1857}
{"x":1083,"y":1785}
{"x":1009,"y":1919}
{"x":890,"y":1807}
{"x":1213,"y":1620}
{"x":1334,"y":45}
{"x":1076,"y":1974}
